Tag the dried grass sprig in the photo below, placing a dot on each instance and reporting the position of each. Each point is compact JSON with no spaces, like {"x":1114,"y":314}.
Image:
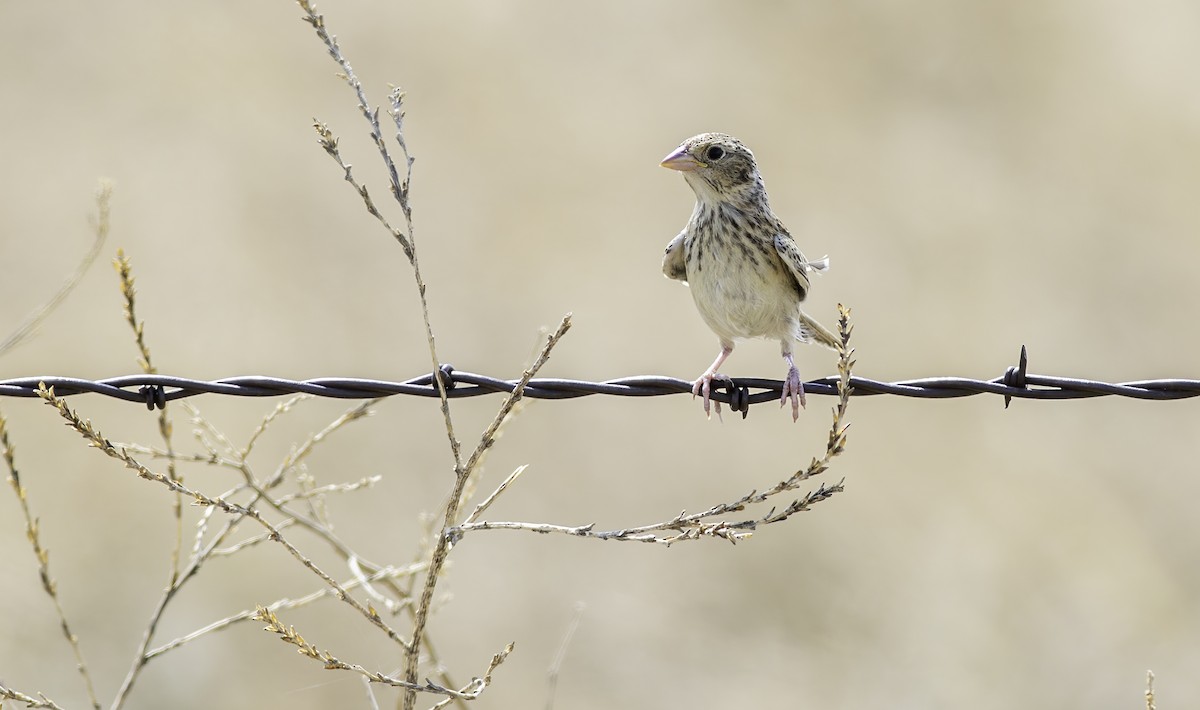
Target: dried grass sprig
{"x":288,"y":634}
{"x":406,"y":238}
{"x":32,"y":533}
{"x":399,"y":188}
{"x":463,"y":474}
{"x":288,"y":603}
{"x":100,"y":228}
{"x":41,"y":701}
{"x":280,"y":409}
{"x":700,"y":525}
{"x":124,"y":269}
{"x":96,"y":440}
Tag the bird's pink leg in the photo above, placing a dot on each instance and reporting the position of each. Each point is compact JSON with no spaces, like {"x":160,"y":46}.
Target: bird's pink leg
{"x":703,"y":385}
{"x":793,"y":388}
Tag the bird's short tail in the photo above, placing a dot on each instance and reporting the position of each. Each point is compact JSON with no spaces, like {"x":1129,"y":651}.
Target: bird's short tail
{"x":813,"y":332}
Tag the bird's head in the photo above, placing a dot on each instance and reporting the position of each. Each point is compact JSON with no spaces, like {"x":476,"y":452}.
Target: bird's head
{"x":718,"y":168}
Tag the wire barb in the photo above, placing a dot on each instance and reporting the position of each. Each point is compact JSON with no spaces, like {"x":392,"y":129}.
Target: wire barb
{"x":448,"y":380}
{"x":739,"y":398}
{"x":155,"y":396}
{"x":1015,"y":376}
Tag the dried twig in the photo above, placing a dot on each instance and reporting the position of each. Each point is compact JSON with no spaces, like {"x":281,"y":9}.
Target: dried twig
{"x":487,"y":502}
{"x":33,"y":534}
{"x":41,"y":701}
{"x":399,"y":188}
{"x":101,"y":227}
{"x":286,"y":603}
{"x":407,"y":240}
{"x":462,"y":475}
{"x":561,"y":656}
{"x":96,"y":440}
{"x":124,"y":269}
{"x":701,"y":524}
{"x":288,"y":634}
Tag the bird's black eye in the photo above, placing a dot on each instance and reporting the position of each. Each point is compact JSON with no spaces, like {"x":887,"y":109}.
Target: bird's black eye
{"x":715,"y":153}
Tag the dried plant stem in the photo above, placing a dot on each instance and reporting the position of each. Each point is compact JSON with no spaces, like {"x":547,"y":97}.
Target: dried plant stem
{"x":487,"y":502}
{"x":250,"y":614}
{"x":330,"y":144}
{"x":280,"y":409}
{"x":700,"y":525}
{"x":41,"y":701}
{"x":202,"y":552}
{"x":101,"y":227}
{"x":95,"y":439}
{"x":124,"y":269}
{"x":140,"y":658}
{"x":32,"y":533}
{"x":358,"y":411}
{"x":561,"y":656}
{"x":199,"y":557}
{"x":230,"y":456}
{"x":240,"y":464}
{"x":462,"y":474}
{"x":407,"y":240}
{"x":399,"y":189}
{"x":288,"y":634}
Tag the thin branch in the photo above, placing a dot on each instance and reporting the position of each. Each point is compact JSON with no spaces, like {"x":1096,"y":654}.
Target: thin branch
{"x":325,"y":490}
{"x":124,"y":269}
{"x":487,"y":502}
{"x":101,"y":227}
{"x":206,"y":433}
{"x":700,"y":525}
{"x":399,"y":192}
{"x":253,"y":541}
{"x":289,"y":635}
{"x":286,"y":603}
{"x":560,"y":657}
{"x":32,"y":533}
{"x":41,"y":701}
{"x":329,"y":142}
{"x":481,"y":683}
{"x":371,"y":701}
{"x":279,"y":410}
{"x":360,"y":410}
{"x":96,"y":440}
{"x":445,"y":540}
{"x":408,"y":244}
{"x":201,"y":552}
{"x":686,"y":527}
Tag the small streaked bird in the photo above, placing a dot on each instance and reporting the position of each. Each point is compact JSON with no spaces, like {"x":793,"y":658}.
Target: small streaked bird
{"x":746,"y":274}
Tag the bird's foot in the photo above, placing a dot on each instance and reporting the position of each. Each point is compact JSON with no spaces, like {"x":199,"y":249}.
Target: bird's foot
{"x":703,"y":387}
{"x":793,"y":389}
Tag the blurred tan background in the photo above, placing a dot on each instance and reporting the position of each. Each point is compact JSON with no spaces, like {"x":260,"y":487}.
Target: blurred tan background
{"x":983,"y":175}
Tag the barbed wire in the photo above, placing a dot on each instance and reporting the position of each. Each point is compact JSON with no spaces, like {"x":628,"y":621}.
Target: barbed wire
{"x":1016,"y":382}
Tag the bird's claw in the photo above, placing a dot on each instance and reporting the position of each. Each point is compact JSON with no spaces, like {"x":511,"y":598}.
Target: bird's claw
{"x":793,"y":389}
{"x":703,"y":387}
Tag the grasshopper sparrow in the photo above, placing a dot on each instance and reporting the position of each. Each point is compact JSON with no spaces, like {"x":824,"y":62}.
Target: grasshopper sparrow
{"x":745,"y":272}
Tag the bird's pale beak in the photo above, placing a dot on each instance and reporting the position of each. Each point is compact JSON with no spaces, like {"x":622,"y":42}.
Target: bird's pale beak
{"x":681,"y":160}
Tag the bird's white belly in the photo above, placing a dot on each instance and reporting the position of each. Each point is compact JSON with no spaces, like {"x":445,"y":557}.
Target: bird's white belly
{"x":743,"y":304}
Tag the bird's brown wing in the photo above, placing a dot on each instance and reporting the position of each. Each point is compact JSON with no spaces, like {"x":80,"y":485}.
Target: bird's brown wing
{"x":674,"y":266}
{"x":786,"y":247}
{"x":810,"y":330}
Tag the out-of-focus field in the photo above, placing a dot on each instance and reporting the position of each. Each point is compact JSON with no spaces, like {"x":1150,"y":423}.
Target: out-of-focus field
{"x":983,"y":175}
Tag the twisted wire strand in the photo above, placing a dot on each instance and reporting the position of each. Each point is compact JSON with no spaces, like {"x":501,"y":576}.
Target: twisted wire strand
{"x":157,"y":390}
